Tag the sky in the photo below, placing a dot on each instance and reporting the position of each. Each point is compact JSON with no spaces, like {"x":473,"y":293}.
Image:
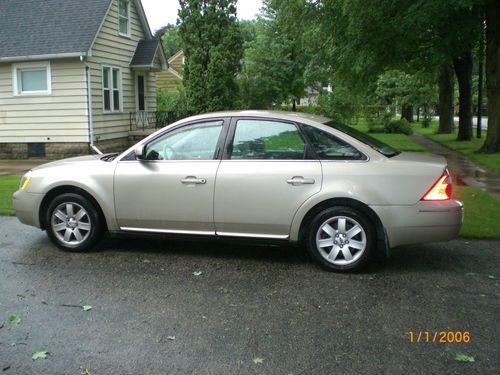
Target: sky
{"x":162,"y":12}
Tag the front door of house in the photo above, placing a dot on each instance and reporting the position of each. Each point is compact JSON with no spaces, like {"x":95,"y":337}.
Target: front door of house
{"x":142,"y":115}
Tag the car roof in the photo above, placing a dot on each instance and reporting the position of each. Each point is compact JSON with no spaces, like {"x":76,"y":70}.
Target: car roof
{"x":283,"y":115}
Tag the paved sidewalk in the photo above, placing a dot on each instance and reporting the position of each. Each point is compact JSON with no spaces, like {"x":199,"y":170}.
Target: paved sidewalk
{"x":19,"y":167}
{"x":464,"y":171}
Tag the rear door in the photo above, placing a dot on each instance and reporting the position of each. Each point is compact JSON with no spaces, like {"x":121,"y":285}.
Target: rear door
{"x":266,"y":174}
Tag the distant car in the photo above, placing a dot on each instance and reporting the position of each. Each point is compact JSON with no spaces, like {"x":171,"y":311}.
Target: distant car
{"x":249,"y":174}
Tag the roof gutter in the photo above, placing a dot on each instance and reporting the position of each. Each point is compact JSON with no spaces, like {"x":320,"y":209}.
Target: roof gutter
{"x":43,"y":57}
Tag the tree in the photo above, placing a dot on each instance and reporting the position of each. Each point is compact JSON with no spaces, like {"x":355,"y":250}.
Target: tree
{"x":492,"y":142}
{"x":212,"y":46}
{"x":274,"y":64}
{"x":170,"y":40}
{"x":446,"y":105}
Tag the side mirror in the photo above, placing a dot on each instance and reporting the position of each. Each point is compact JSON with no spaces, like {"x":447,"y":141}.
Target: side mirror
{"x":139,"y":152}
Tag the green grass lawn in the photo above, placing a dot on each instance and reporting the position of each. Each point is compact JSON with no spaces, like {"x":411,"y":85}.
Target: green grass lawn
{"x":8,"y":185}
{"x":400,"y":142}
{"x":490,"y":161}
{"x":482,"y":213}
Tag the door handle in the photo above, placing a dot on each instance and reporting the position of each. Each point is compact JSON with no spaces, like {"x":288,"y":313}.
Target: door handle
{"x":193,"y":180}
{"x":299,"y":180}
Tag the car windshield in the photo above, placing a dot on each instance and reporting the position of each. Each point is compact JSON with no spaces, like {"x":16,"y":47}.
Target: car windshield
{"x":377,"y":145}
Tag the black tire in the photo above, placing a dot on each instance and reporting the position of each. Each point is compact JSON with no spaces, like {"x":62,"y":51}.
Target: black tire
{"x":92,"y":220}
{"x":338,"y":261}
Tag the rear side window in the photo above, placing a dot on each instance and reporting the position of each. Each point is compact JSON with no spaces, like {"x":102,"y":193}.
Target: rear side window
{"x":262,"y":139}
{"x":329,"y":147}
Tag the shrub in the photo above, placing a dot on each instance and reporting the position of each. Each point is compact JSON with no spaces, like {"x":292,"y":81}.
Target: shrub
{"x":172,"y":101}
{"x":398,"y":126}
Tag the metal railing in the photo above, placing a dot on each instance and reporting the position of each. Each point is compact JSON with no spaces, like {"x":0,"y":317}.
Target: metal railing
{"x":141,"y":120}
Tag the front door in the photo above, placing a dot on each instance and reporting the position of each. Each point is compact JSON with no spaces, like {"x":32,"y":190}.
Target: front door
{"x":172,"y":190}
{"x":263,"y":179}
{"x":141,"y":93}
{"x":141,"y":117}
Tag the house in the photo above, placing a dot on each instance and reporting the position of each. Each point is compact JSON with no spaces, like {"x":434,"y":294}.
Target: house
{"x":73,"y":74}
{"x":171,"y":79}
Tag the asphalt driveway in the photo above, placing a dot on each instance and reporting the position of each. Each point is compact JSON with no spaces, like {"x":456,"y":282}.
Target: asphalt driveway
{"x":251,"y":310}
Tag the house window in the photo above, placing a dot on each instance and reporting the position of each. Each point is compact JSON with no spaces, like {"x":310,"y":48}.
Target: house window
{"x":31,"y":78}
{"x":124,"y":16}
{"x":111,"y":89}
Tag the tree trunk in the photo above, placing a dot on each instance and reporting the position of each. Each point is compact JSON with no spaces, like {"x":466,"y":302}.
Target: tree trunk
{"x":294,"y":105}
{"x":407,"y":113}
{"x":445,"y":106}
{"x":492,"y":143}
{"x":463,"y":70}
{"x":480,"y":58}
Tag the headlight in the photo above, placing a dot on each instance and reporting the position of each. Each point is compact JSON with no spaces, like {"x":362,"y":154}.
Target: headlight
{"x":25,"y":181}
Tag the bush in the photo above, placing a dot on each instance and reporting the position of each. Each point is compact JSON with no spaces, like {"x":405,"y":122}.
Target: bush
{"x":172,"y":101}
{"x":398,"y":126}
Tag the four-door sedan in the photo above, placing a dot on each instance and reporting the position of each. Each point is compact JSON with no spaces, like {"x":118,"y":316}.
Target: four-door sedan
{"x":249,"y":174}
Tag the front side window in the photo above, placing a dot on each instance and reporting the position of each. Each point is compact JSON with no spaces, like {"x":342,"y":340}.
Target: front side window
{"x":262,"y":139}
{"x":124,"y":16}
{"x":32,"y":79}
{"x":191,"y":142}
{"x":329,"y":147}
{"x":111,"y":86}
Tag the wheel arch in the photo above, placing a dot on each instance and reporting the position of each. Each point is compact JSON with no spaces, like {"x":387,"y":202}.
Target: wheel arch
{"x":348,"y":202}
{"x":67,"y":189}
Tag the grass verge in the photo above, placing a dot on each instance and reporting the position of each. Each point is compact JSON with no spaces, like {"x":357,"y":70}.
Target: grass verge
{"x":490,"y":161}
{"x":8,"y":185}
{"x":400,"y":142}
{"x":482,"y":213}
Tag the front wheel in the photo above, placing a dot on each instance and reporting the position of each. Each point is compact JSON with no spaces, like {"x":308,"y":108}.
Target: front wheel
{"x":73,"y":223}
{"x":341,"y":239}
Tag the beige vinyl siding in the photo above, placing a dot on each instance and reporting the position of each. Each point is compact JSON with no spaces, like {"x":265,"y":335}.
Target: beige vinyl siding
{"x":111,"y":49}
{"x":177,"y":63}
{"x":166,"y":80}
{"x":151,"y":87}
{"x":58,"y":117}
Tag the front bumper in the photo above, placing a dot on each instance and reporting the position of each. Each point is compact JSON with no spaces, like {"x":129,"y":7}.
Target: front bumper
{"x":27,"y":206}
{"x":423,"y":222}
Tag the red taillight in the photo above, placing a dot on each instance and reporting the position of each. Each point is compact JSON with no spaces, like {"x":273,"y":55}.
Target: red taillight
{"x":441,"y":190}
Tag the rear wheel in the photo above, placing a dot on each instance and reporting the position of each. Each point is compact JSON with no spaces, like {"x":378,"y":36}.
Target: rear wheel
{"x":341,"y":239}
{"x":73,"y":223}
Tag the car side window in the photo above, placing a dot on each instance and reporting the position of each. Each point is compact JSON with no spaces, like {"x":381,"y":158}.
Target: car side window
{"x":329,"y":147}
{"x":190,"y":142}
{"x":262,"y":139}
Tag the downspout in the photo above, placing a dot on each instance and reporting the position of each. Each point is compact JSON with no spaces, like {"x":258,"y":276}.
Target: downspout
{"x":89,"y":109}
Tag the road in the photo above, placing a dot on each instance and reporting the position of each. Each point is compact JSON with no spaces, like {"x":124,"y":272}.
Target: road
{"x":252,"y":310}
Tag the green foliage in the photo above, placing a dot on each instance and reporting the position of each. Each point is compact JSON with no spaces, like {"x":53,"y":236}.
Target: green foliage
{"x":39,"y":354}
{"x":390,"y":126}
{"x":212,"y":46}
{"x":172,"y":101}
{"x":341,"y":104}
{"x":275,"y":61}
{"x":171,"y":40}
{"x":15,"y":319}
{"x":399,"y":126}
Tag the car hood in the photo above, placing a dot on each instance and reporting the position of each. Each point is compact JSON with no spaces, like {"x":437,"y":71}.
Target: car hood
{"x":68,"y":161}
{"x":421,"y":157}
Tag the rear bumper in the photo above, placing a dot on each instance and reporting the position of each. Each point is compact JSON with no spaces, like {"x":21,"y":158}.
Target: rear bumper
{"x":27,"y":206}
{"x":423,"y":222}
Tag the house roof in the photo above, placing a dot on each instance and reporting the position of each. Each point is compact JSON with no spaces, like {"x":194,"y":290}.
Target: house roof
{"x":145,"y":52}
{"x":36,"y":29}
